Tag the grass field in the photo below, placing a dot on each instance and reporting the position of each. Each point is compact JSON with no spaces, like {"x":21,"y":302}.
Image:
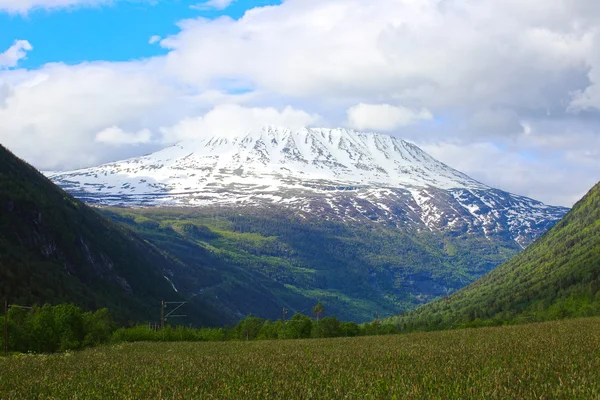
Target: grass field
{"x":541,"y":361}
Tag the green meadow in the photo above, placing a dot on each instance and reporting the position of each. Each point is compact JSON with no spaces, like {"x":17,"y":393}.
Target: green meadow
{"x":550,"y":360}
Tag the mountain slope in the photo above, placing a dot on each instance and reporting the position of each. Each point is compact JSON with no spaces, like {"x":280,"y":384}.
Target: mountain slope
{"x":280,"y":218}
{"x":261,"y":260}
{"x":338,"y":174}
{"x":556,"y":277}
{"x":54,"y":248}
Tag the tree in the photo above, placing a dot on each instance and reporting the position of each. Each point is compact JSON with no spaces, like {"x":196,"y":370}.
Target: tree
{"x":318,"y":310}
{"x":349,"y":329}
{"x":98,"y":327}
{"x":328,"y":327}
{"x":68,"y":325}
{"x":43,"y":335}
{"x":249,"y":328}
{"x":298,"y":327}
{"x":270,"y":330}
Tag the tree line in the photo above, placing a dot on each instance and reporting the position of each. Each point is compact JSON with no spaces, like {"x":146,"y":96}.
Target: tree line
{"x":64,"y":327}
{"x":48,"y":329}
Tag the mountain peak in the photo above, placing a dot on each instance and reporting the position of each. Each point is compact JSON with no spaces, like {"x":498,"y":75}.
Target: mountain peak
{"x":335,"y":173}
{"x":309,"y":154}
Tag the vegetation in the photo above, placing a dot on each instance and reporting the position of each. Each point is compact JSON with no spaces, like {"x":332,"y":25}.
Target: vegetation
{"x":558,"y":276}
{"x":55,"y":249}
{"x":254,"y":328}
{"x":318,"y":310}
{"x":258,"y":261}
{"x":545,"y":360}
{"x":50,"y":329}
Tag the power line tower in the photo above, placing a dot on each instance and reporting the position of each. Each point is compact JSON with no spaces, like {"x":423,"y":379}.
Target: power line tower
{"x":283,"y":313}
{"x":170,"y":314}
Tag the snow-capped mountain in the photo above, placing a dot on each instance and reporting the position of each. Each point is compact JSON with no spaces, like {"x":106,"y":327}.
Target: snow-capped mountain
{"x":333,"y":173}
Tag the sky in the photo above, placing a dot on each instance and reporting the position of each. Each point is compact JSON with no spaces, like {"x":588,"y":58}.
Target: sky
{"x":507,"y":91}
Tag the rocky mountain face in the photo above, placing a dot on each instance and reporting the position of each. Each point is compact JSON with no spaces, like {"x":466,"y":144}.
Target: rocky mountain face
{"x":335,"y":174}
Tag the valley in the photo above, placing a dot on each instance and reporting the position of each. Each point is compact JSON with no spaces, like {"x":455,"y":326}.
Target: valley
{"x":299,"y":199}
{"x":258,"y":261}
{"x":281,"y":218}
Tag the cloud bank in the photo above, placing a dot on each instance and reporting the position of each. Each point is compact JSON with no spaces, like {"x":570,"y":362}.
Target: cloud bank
{"x":384,"y":117}
{"x":507,"y":92}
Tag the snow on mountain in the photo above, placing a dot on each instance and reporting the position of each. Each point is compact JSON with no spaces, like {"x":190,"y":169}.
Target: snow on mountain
{"x":333,"y":173}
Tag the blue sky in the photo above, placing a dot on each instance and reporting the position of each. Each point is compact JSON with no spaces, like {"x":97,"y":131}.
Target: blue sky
{"x":119,"y":32}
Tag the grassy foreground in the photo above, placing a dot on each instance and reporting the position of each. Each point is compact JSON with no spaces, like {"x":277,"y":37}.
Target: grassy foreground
{"x":547,"y":360}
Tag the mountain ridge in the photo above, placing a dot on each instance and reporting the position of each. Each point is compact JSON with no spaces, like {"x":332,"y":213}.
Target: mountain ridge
{"x":54,"y":248}
{"x":254,"y":243}
{"x":557,"y":276}
{"x":338,"y":174}
{"x":313,"y":214}
{"x":336,"y":155}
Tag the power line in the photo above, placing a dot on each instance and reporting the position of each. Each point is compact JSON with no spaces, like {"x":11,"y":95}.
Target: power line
{"x":7,"y":307}
{"x":163,"y":316}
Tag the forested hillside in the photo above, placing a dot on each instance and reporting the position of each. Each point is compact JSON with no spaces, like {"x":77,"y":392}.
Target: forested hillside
{"x":259,"y":261}
{"x":556,"y":277}
{"x":54,"y":249}
{"x":228,"y":264}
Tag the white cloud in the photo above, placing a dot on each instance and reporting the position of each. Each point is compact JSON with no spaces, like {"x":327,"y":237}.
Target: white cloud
{"x":548,"y":179}
{"x":154,"y":39}
{"x":520,"y":76}
{"x":213,"y":4}
{"x":51,"y":116}
{"x":495,"y":122}
{"x":15,"y":53}
{"x":23,"y":6}
{"x":5,"y":93}
{"x":233,"y":120}
{"x":384,"y":117}
{"x":117,"y":136}
{"x":589,"y":98}
{"x":440,"y":54}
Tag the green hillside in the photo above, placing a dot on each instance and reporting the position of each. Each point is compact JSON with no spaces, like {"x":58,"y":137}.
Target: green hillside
{"x":54,"y":249}
{"x":228,"y":264}
{"x":556,"y":277}
{"x":258,"y":261}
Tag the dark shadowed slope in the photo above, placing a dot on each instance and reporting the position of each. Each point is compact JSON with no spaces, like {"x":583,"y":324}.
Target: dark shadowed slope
{"x":556,"y":277}
{"x":54,"y":248}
